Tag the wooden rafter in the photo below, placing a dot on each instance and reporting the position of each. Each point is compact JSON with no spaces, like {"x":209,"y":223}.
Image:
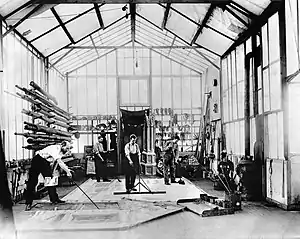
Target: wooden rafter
{"x":62,"y":25}
{"x":237,"y":16}
{"x":99,"y":15}
{"x":203,"y":23}
{"x":132,"y":1}
{"x":132,"y":7}
{"x":166,"y":15}
{"x":28,"y":15}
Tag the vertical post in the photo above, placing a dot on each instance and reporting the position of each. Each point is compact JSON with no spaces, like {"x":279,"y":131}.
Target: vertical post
{"x":255,"y":76}
{"x":1,"y":82}
{"x":68,"y":92}
{"x":118,"y":116}
{"x":46,"y":62}
{"x":220,"y":141}
{"x":284,"y":95}
{"x":247,"y":105}
{"x":148,"y":134}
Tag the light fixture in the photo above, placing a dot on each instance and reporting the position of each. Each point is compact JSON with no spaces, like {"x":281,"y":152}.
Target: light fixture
{"x":124,"y":8}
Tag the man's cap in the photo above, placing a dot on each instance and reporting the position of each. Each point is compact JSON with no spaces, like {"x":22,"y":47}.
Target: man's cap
{"x":132,"y":136}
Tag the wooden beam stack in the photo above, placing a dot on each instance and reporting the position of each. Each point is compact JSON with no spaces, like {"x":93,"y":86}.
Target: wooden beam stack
{"x":50,"y":124}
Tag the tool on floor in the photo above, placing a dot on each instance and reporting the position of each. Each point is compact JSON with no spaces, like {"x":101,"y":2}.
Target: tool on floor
{"x":85,"y":194}
{"x":140,"y":183}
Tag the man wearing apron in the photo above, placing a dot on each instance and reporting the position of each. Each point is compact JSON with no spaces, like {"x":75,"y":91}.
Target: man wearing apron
{"x":43,"y":162}
{"x":100,"y":160}
{"x":132,"y":163}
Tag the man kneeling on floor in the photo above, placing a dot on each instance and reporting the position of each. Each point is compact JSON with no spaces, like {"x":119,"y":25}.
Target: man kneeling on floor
{"x":45,"y":162}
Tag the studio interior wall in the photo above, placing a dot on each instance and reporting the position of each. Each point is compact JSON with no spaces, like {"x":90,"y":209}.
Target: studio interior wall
{"x":145,"y":78}
{"x":269,"y":106}
{"x":22,"y":65}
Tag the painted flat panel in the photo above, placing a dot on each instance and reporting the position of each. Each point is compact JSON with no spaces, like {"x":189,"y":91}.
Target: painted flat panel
{"x":276,"y":180}
{"x":295,"y":179}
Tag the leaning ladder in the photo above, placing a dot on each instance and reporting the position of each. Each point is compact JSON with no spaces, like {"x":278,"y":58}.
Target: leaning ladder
{"x":202,"y":131}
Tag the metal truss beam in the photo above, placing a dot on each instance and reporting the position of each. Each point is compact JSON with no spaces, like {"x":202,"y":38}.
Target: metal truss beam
{"x":19,"y":9}
{"x":113,"y":23}
{"x":256,"y":24}
{"x":242,"y":10}
{"x":132,"y":7}
{"x":178,"y":62}
{"x":178,"y":36}
{"x":166,"y":15}
{"x":191,"y":20}
{"x":28,"y":15}
{"x":129,"y":47}
{"x":70,"y":20}
{"x":62,"y":25}
{"x":132,"y":1}
{"x":203,"y":23}
{"x":94,"y":46}
{"x":97,"y":58}
{"x":237,"y":16}
{"x":62,"y":57}
{"x":99,"y":15}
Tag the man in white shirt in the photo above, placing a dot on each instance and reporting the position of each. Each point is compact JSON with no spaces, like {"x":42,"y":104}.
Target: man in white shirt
{"x":43,"y":162}
{"x":132,"y":163}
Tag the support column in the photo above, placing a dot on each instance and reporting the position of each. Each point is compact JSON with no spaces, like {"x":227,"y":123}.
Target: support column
{"x":247,"y":105}
{"x":118,"y":117}
{"x":68,"y":93}
{"x":1,"y":83}
{"x":284,"y":97}
{"x":148,"y":135}
{"x":46,"y":62}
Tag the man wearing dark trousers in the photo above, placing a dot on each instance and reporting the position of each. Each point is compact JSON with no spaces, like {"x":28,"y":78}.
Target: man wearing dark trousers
{"x":100,"y":160}
{"x":170,"y":158}
{"x":43,"y":162}
{"x":132,"y":163}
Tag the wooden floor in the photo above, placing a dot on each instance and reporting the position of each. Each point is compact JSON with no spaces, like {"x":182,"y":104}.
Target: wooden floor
{"x":148,"y":216}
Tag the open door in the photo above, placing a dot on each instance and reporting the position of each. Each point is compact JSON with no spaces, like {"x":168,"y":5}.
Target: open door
{"x":132,"y":122}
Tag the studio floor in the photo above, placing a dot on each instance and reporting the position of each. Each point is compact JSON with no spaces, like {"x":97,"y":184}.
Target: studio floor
{"x":148,"y":215}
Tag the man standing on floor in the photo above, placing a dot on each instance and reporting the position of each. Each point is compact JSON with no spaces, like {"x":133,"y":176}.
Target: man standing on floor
{"x":100,"y":160}
{"x":132,"y":163}
{"x":45,"y":162}
{"x":171,"y":156}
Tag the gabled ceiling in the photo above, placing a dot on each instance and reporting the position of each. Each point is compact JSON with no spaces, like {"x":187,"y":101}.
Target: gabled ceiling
{"x":72,"y":35}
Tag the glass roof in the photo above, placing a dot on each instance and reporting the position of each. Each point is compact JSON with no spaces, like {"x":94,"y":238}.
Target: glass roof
{"x":72,"y":35}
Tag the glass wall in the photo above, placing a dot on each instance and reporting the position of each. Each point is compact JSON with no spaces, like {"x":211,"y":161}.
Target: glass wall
{"x":145,"y":79}
{"x":272,"y":89}
{"x":293,"y":65}
{"x":268,"y":91}
{"x":233,"y":77}
{"x":21,"y":65}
